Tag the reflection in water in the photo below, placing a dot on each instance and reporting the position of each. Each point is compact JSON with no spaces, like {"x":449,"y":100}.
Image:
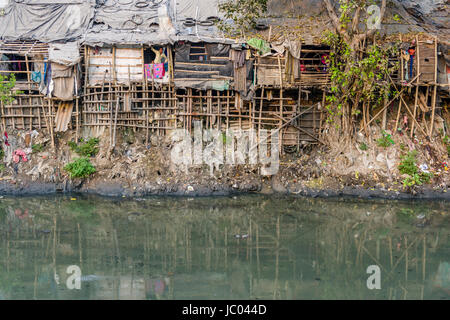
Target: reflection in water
{"x":246,"y":247}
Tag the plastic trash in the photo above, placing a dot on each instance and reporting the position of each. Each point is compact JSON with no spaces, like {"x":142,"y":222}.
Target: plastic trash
{"x":424,"y":168}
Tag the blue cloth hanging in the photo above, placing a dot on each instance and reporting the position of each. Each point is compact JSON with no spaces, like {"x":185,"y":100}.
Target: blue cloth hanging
{"x":36,"y":76}
{"x":411,"y":65}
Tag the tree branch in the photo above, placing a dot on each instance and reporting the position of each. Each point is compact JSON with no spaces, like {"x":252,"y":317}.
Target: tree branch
{"x":371,"y":32}
{"x":356,"y":20}
{"x":333,"y":16}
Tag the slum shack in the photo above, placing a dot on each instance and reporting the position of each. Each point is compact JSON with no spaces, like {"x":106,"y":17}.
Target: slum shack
{"x":203,"y":71}
{"x":206,"y":86}
{"x":128,"y":63}
{"x":38,"y":46}
{"x":290,"y":82}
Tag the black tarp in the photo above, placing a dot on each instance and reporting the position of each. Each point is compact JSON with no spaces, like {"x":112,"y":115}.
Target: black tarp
{"x":46,"y":22}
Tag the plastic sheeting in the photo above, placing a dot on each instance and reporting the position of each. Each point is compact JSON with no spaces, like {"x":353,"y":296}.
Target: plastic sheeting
{"x":131,"y":22}
{"x":45,"y":22}
{"x":67,"y":54}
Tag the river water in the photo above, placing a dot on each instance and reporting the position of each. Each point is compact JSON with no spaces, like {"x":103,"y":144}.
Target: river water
{"x":242,"y":247}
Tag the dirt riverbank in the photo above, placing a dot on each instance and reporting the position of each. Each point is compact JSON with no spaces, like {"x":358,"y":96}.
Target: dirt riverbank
{"x":135,"y":169}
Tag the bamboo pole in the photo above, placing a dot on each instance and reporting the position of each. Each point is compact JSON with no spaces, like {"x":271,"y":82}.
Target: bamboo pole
{"x":387,"y":105}
{"x":29,"y":89}
{"x":145,"y":82}
{"x":51,"y":123}
{"x":115,"y":123}
{"x":407,"y":108}
{"x":433,"y":101}
{"x":415,"y":109}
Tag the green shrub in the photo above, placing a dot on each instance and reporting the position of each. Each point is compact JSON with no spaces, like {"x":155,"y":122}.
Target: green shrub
{"x":446,"y":140}
{"x":363,"y":146}
{"x":408,"y":166}
{"x":412,"y":181}
{"x":85,"y":149}
{"x":37,"y":147}
{"x":2,"y":167}
{"x":386,"y":140}
{"x":408,"y":163}
{"x":2,"y":153}
{"x":80,"y":168}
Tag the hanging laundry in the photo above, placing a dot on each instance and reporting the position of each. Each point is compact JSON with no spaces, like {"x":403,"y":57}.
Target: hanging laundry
{"x":158,"y":70}
{"x":6,"y":139}
{"x":36,"y":76}
{"x":148,"y":70}
{"x":411,"y":52}
{"x":405,"y":57}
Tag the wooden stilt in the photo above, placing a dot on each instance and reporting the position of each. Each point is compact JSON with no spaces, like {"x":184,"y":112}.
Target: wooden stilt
{"x":433,"y":100}
{"x":415,"y":109}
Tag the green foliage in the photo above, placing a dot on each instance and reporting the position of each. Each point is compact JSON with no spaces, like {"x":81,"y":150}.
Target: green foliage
{"x":386,"y":140}
{"x":363,"y":146}
{"x":357,"y":81}
{"x":412,"y":181}
{"x":85,"y":149}
{"x":80,"y":168}
{"x":446,"y":140}
{"x":2,"y":167}
{"x":426,"y":177}
{"x":37,"y":147}
{"x":244,"y":14}
{"x":7,"y":95}
{"x":358,"y":75}
{"x":408,"y":166}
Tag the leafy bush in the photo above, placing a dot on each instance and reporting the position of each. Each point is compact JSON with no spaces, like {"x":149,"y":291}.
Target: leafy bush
{"x":408,"y":163}
{"x":7,"y":83}
{"x":408,"y":166}
{"x":386,"y":140}
{"x":446,"y":141}
{"x":2,"y":153}
{"x":37,"y":147}
{"x":412,"y":181}
{"x":85,"y":149}
{"x":363,"y":146}
{"x":244,"y":13}
{"x":80,"y":168}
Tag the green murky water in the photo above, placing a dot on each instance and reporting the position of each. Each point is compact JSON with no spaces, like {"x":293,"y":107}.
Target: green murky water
{"x":245,"y":247}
